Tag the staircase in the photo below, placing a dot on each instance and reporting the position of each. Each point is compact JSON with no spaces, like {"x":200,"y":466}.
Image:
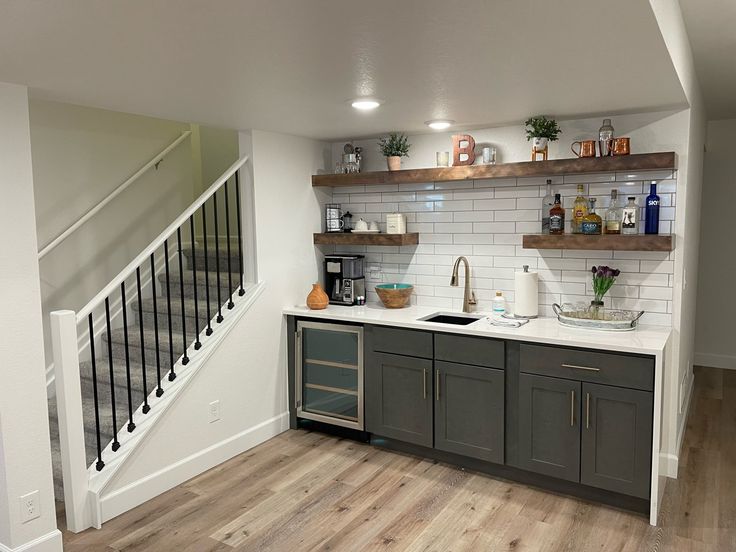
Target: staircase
{"x":146,"y":350}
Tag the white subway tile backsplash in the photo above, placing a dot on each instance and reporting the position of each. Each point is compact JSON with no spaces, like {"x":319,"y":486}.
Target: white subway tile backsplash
{"x":484,"y":220}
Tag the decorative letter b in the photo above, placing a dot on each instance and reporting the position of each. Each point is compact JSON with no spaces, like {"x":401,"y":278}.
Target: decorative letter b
{"x":463,"y":144}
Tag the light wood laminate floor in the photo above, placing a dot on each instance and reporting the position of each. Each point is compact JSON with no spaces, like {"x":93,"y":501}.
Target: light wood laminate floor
{"x":306,"y":491}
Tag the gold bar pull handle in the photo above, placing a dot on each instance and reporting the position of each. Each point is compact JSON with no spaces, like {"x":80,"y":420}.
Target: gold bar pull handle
{"x":572,"y":408}
{"x":587,"y":411}
{"x":437,"y":385}
{"x":424,"y":382}
{"x":576,"y":367}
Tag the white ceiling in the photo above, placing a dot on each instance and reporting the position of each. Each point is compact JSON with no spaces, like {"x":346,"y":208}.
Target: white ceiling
{"x":292,"y":65}
{"x":711,"y":30}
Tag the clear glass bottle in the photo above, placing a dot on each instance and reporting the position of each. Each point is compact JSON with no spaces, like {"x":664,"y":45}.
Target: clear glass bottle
{"x":630,"y":217}
{"x":651,"y":215}
{"x":580,"y":209}
{"x":547,"y":203}
{"x":498,"y":304}
{"x":613,"y":215}
{"x":592,"y":222}
{"x":557,"y":217}
{"x":605,"y":137}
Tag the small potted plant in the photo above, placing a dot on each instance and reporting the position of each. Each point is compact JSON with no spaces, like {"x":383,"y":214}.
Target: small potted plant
{"x":541,"y":130}
{"x":393,"y":148}
{"x":603,"y":278}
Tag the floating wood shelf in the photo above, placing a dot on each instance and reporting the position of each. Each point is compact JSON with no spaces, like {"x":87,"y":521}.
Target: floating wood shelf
{"x":615,"y":242}
{"x":555,"y":167}
{"x":338,"y":238}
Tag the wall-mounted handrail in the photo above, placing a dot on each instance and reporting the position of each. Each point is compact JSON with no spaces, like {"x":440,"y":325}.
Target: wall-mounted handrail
{"x":159,"y":241}
{"x":116,"y":192}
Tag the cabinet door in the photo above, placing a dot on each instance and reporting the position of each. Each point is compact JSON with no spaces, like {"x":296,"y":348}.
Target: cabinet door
{"x":617,"y":439}
{"x":399,"y":397}
{"x":469,"y":410}
{"x":549,"y":426}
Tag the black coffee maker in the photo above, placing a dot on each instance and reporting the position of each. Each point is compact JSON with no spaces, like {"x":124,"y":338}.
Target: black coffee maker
{"x":344,"y":278}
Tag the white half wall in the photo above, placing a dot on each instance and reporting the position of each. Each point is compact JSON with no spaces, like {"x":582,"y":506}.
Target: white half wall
{"x":25,"y":454}
{"x":714,"y":343}
{"x":248,"y":372}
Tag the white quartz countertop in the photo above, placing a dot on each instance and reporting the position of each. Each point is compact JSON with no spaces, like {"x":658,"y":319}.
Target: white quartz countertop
{"x":648,"y":340}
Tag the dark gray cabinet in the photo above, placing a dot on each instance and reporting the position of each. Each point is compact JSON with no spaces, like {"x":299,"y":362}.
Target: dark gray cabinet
{"x":617,"y":439}
{"x":469,"y":410}
{"x":399,"y":397}
{"x":549,"y":426}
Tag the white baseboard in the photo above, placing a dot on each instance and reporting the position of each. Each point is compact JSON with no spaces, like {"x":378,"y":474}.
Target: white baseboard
{"x":152,"y":485}
{"x":710,"y":360}
{"x":50,"y":542}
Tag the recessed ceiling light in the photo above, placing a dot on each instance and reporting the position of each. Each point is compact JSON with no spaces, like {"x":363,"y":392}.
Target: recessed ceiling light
{"x":439,"y":124}
{"x":365,"y":104}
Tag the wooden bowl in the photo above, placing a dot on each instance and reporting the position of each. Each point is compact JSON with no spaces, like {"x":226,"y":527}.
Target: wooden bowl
{"x":394,"y":296}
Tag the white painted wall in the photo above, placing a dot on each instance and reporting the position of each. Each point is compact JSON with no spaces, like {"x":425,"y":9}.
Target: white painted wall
{"x":25,"y":456}
{"x":248,"y":373}
{"x":714,"y":343}
{"x":678,"y":386}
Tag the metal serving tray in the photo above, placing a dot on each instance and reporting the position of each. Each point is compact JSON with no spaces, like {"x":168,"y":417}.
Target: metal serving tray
{"x":589,"y":318}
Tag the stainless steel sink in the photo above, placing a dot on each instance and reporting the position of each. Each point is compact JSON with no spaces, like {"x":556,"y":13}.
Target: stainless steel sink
{"x":454,"y":318}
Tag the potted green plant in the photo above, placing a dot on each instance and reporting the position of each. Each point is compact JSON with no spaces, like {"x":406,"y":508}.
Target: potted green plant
{"x":541,"y":130}
{"x":394,"y":147}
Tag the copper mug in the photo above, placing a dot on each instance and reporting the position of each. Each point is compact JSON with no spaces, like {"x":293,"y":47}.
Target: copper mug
{"x":621,"y":146}
{"x":587,"y":148}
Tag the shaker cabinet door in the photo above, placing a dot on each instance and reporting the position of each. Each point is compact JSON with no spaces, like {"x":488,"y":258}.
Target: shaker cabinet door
{"x":617,"y":439}
{"x":549,"y":426}
{"x":399,"y":397}
{"x":469,"y":411}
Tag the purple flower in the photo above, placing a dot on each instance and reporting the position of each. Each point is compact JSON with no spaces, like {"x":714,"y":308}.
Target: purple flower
{"x":594,"y":270}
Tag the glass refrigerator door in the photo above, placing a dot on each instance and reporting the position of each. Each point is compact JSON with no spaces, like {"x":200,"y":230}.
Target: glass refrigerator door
{"x":331,"y":374}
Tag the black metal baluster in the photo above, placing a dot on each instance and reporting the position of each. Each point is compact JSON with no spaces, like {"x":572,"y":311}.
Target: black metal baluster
{"x":217,"y":261}
{"x":206,"y":270}
{"x":100,"y":464}
{"x":197,"y":342}
{"x":131,"y":425}
{"x":146,"y":406}
{"x":230,"y":303}
{"x":241,"y":291}
{"x":185,"y":358}
{"x":172,"y":374}
{"x":115,"y":442}
{"x":159,"y":390}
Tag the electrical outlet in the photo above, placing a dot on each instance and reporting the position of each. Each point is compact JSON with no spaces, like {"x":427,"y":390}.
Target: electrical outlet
{"x":214,"y":411}
{"x":30,"y":507}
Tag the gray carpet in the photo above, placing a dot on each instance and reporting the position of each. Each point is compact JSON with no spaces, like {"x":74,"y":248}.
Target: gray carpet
{"x":193,"y":313}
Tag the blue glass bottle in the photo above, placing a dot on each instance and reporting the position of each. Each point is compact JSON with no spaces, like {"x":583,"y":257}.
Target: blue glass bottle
{"x":651,"y":217}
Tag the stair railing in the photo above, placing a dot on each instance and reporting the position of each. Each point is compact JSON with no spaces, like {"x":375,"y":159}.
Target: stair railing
{"x":95,"y":318}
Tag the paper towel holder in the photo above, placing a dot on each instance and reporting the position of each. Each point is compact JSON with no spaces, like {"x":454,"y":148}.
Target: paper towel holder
{"x":516,"y":316}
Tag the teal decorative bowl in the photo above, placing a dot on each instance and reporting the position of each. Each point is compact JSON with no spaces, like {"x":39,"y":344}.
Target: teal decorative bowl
{"x":394,"y":296}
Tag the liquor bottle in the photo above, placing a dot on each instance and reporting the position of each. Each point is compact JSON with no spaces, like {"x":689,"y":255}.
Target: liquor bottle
{"x":592,"y":222}
{"x":651,"y":215}
{"x":580,"y":209}
{"x":613,"y":215}
{"x":557,"y":217}
{"x":630,"y":217}
{"x":547,"y":203}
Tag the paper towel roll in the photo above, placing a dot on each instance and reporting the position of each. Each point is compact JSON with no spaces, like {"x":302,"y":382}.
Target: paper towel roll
{"x":526,"y":294}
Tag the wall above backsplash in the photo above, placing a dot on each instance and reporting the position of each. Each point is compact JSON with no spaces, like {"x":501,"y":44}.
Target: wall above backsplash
{"x":485,"y":220}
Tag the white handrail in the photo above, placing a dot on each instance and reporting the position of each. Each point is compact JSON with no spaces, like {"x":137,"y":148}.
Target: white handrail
{"x":158,"y":242}
{"x":116,"y":192}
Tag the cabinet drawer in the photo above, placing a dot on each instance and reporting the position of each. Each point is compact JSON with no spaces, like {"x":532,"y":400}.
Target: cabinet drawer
{"x":401,"y":342}
{"x":479,"y":351}
{"x":636,"y":372}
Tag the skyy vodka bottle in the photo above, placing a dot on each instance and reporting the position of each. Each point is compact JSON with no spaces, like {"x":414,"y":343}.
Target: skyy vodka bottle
{"x":651,"y":214}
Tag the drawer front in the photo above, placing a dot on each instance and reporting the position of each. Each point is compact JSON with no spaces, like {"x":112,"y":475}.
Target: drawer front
{"x":401,"y":342}
{"x":622,"y":370}
{"x":479,"y":351}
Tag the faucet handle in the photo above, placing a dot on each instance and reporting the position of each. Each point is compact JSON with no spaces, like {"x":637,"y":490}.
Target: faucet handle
{"x":471,"y":300}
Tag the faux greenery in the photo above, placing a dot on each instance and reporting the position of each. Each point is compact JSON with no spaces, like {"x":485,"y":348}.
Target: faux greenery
{"x":542,"y":127}
{"x":395,"y":145}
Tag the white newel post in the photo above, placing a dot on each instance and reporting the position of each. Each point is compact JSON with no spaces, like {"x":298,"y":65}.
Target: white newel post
{"x":71,"y":422}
